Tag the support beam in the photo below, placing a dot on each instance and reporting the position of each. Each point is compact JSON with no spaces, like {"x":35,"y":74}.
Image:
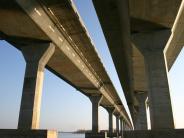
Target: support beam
{"x":36,"y":57}
{"x":151,"y":46}
{"x":95,"y":100}
{"x":110,"y":111}
{"x":115,"y":24}
{"x":141,"y":118}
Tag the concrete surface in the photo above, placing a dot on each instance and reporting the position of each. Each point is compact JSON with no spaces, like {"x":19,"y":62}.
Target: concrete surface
{"x":95,"y":100}
{"x":151,"y":45}
{"x":21,"y":133}
{"x":97,"y":135}
{"x":168,"y":133}
{"x":110,"y":111}
{"x":42,"y":21}
{"x":145,"y":16}
{"x":141,"y":117}
{"x":176,"y":40}
{"x":36,"y":57}
{"x":117,"y":122}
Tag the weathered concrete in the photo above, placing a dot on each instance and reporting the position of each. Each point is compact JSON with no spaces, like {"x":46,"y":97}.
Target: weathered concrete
{"x":151,"y":46}
{"x":110,"y":111}
{"x":97,"y":135}
{"x":125,"y":126}
{"x":95,"y":100}
{"x":141,"y":118}
{"x":168,"y":133}
{"x":121,"y":126}
{"x":145,"y":16}
{"x":117,"y":123}
{"x":115,"y":21}
{"x":112,"y":135}
{"x":176,"y":40}
{"x":36,"y":57}
{"x":74,"y":48}
{"x":22,"y":133}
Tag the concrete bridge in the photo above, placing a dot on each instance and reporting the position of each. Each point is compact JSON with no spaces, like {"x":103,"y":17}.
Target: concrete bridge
{"x":50,"y":34}
{"x":148,"y":38}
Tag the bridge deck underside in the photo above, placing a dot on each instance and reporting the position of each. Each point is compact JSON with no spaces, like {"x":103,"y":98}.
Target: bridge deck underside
{"x":18,"y":29}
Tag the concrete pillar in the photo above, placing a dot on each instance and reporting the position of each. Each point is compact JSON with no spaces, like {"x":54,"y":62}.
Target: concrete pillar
{"x":124,"y":125}
{"x":117,"y":123}
{"x":140,"y":122}
{"x":121,"y":126}
{"x":95,"y":100}
{"x":36,"y":57}
{"x":110,"y":110}
{"x":151,"y":46}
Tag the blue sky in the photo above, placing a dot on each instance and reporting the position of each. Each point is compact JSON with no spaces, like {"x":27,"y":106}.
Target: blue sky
{"x":63,"y":107}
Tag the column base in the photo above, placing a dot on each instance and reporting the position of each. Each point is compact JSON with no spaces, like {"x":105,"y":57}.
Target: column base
{"x":113,"y":135}
{"x":96,"y":135}
{"x":166,"y":133}
{"x":21,"y":133}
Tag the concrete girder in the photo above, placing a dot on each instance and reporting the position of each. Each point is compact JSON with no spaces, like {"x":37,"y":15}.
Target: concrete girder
{"x":116,"y":27}
{"x":176,"y":40}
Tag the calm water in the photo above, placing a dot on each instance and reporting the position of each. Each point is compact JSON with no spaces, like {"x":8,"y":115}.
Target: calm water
{"x":70,"y":135}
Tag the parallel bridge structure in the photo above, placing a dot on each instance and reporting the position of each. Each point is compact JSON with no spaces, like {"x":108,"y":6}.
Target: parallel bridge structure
{"x":144,"y":39}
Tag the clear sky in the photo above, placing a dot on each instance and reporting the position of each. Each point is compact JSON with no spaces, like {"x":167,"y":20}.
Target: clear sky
{"x":64,"y":108}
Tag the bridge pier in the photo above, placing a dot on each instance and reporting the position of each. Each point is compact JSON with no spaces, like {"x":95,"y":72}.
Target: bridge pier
{"x":140,"y":122}
{"x":36,"y":57}
{"x":125,"y":126}
{"x":121,"y":126}
{"x":110,"y":110}
{"x":95,"y":100}
{"x":117,"y":123}
{"x":151,"y":46}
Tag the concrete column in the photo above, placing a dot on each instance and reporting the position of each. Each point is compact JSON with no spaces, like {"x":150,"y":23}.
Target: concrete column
{"x":117,"y":123}
{"x":121,"y":126}
{"x":124,"y":125}
{"x":140,"y":122}
{"x":110,"y":110}
{"x":95,"y":100}
{"x":36,"y":57}
{"x":151,"y":46}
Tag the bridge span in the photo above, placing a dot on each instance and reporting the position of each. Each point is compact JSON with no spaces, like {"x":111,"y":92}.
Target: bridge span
{"x":144,"y":39}
{"x":51,"y":34}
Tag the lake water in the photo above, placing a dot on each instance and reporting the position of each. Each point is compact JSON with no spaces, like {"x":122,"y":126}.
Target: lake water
{"x":70,"y":135}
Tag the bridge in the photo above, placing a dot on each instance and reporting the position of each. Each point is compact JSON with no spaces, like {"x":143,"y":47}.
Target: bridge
{"x":141,"y":36}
